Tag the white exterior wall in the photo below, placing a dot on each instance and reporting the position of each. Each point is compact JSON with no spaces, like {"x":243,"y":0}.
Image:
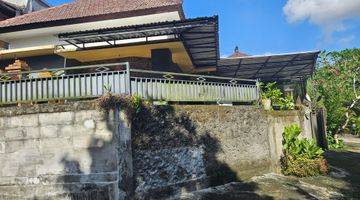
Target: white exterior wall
{"x":28,"y":5}
{"x":21,"y":3}
{"x":36,"y":5}
{"x":33,"y":42}
{"x":48,"y":36}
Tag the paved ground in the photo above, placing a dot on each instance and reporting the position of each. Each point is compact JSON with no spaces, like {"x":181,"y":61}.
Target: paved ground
{"x":342,"y":183}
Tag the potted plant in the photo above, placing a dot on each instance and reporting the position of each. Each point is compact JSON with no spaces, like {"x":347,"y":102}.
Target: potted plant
{"x":266,"y":103}
{"x":270,"y":95}
{"x":287,"y":103}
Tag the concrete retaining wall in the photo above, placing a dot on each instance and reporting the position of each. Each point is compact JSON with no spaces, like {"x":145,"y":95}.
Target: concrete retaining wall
{"x":277,"y":121}
{"x":77,"y":152}
{"x":185,"y":148}
{"x":70,"y":153}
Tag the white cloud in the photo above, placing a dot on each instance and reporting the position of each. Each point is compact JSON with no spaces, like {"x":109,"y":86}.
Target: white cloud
{"x":328,"y":14}
{"x":268,"y":53}
{"x":224,"y":56}
{"x":347,"y":40}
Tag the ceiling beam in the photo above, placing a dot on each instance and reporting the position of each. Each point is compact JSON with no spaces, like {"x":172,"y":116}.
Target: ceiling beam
{"x":298,"y":71}
{"x":288,"y":64}
{"x":74,"y":44}
{"x":276,"y":62}
{"x":237,"y":69}
{"x":262,"y":67}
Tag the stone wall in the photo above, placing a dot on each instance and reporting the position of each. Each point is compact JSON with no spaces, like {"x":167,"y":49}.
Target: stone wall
{"x":184,"y":148}
{"x":63,"y":152}
{"x":277,"y":121}
{"x":74,"y":151}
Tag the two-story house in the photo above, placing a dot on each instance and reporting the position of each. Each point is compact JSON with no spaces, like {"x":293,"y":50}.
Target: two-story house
{"x":147,"y":34}
{"x":38,"y":38}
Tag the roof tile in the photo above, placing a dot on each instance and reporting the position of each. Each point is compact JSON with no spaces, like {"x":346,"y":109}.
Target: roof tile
{"x":87,"y":8}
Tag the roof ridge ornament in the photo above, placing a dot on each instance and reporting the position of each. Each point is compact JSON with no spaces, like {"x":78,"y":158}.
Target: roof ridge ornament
{"x":236,"y":49}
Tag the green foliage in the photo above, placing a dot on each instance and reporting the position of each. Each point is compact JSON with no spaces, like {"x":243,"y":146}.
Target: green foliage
{"x":335,"y":144}
{"x":310,"y":149}
{"x":107,"y":88}
{"x":270,"y":91}
{"x":355,"y":125}
{"x":332,"y":87}
{"x":137,"y":103}
{"x":305,"y":167}
{"x":302,"y":157}
{"x":290,"y":135}
{"x":287,"y":103}
{"x":297,"y":147}
{"x":130,"y":104}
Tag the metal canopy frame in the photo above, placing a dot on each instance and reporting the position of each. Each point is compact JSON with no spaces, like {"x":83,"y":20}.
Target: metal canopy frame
{"x":278,"y":67}
{"x":199,"y":37}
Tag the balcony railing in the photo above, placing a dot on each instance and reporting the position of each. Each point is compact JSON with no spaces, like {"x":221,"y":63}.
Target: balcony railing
{"x":93,"y":81}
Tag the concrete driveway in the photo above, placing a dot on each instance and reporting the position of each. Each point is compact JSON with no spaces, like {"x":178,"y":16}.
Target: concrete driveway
{"x":343,"y":182}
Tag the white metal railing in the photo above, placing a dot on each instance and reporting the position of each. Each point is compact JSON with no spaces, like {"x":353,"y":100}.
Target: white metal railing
{"x":79,"y":83}
{"x":178,"y":87}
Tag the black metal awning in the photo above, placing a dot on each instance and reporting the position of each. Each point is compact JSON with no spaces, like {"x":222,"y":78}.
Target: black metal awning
{"x":199,"y":36}
{"x":280,"y":67}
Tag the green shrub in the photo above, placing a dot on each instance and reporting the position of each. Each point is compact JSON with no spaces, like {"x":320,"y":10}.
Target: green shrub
{"x":355,"y":125}
{"x":305,"y":167}
{"x":137,"y":103}
{"x":287,"y":103}
{"x":130,"y":104}
{"x":290,"y":135}
{"x":302,"y":157}
{"x":335,"y":144}
{"x":270,"y":91}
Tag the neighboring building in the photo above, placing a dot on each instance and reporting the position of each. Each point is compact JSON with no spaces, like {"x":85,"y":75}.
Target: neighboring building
{"x":28,"y":6}
{"x":12,"y":8}
{"x":7,"y":10}
{"x":238,"y":54}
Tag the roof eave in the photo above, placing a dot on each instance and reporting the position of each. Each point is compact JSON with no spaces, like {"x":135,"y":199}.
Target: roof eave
{"x":110,"y":16}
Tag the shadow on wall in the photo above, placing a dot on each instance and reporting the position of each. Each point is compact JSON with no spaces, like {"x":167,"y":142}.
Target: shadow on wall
{"x":169,"y":158}
{"x":99,"y":182}
{"x":161,"y":134}
{"x":76,"y":190}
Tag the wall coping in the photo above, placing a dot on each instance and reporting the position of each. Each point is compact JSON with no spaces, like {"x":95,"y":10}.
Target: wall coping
{"x":283,"y":113}
{"x":47,"y":108}
{"x":8,"y":111}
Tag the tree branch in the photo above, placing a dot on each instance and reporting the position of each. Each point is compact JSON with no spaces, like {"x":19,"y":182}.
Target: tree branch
{"x":347,"y":114}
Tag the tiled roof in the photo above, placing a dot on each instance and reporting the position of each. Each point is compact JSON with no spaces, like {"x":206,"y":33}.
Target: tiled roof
{"x":90,"y":8}
{"x":238,"y":54}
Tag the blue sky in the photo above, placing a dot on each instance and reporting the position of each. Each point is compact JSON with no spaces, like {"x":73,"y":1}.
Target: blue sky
{"x":263,"y":26}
